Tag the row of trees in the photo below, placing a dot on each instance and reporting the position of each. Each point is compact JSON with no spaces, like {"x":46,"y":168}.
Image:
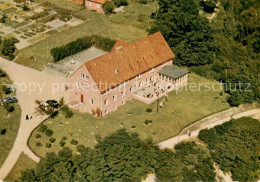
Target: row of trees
{"x":124,"y":157}
{"x":81,"y":44}
{"x":235,"y":147}
{"x":226,"y":49}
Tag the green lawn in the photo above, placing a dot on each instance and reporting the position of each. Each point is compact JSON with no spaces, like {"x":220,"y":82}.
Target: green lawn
{"x":182,"y":109}
{"x":64,"y":4}
{"x":10,"y":122}
{"x":23,"y":163}
{"x":136,"y":15}
{"x":95,"y":23}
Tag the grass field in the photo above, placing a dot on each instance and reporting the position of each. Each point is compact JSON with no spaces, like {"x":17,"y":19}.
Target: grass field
{"x":182,"y":109}
{"x":135,"y":14}
{"x":62,"y":4}
{"x":125,"y":29}
{"x":23,"y":163}
{"x":10,"y":122}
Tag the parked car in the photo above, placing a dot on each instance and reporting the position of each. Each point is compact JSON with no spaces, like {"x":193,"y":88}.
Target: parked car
{"x":9,"y":100}
{"x":53,"y":103}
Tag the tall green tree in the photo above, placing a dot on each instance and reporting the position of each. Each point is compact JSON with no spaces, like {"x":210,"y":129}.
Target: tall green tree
{"x":188,"y":33}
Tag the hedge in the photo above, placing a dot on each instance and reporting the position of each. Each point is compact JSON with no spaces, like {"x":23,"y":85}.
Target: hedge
{"x":59,"y":53}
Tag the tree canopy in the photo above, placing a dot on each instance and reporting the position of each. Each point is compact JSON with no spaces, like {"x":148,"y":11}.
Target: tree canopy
{"x":122,"y":156}
{"x":235,"y":147}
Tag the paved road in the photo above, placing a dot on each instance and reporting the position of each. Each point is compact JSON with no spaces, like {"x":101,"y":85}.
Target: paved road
{"x":24,"y":77}
{"x":208,"y":122}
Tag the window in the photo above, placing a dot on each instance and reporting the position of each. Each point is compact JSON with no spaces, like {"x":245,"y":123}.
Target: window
{"x":98,"y":5}
{"x":91,"y":101}
{"x":114,"y":98}
{"x":123,"y":93}
{"x":89,"y":3}
{"x":106,"y":102}
{"x":86,"y":78}
{"x":82,"y":76}
{"x":106,"y":112}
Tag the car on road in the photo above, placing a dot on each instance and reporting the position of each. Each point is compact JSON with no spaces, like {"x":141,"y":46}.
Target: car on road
{"x":9,"y":100}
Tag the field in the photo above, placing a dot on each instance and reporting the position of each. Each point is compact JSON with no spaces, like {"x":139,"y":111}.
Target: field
{"x":127,"y":26}
{"x":23,"y":163}
{"x":9,"y":125}
{"x":62,"y":4}
{"x":183,"y":108}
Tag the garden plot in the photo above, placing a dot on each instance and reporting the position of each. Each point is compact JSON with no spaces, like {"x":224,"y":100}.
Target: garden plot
{"x":34,"y":25}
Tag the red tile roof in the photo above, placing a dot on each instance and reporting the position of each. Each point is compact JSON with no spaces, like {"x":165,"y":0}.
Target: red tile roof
{"x":98,"y":1}
{"x":127,"y":60}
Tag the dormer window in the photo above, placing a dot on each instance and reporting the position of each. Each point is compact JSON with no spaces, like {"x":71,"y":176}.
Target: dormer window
{"x":116,"y":71}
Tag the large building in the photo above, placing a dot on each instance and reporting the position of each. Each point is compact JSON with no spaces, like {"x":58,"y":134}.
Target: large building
{"x":91,"y":4}
{"x":141,"y":70}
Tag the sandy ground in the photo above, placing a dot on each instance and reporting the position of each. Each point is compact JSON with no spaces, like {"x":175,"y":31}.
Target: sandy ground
{"x":31,"y":85}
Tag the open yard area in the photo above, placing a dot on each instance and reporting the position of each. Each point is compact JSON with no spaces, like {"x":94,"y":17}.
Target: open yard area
{"x":23,"y":163}
{"x":183,"y":108}
{"x":9,"y":123}
{"x":127,"y":26}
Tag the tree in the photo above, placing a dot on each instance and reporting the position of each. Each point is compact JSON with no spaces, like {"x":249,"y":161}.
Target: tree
{"x":3,"y":19}
{"x":123,"y":156}
{"x":108,"y":7}
{"x":25,"y":7}
{"x":119,"y":3}
{"x":188,"y":33}
{"x":8,"y":47}
{"x":235,"y":147}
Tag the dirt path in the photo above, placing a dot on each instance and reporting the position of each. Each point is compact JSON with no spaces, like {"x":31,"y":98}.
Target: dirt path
{"x":209,"y":122}
{"x":41,"y":87}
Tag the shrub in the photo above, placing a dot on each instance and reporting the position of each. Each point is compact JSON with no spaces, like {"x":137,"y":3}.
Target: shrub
{"x":98,"y":111}
{"x":62,"y":143}
{"x":49,"y":132}
{"x":149,"y":110}
{"x":52,"y":140}
{"x":42,"y":128}
{"x":64,"y":138}
{"x":59,"y":53}
{"x":93,"y":111}
{"x":6,"y":90}
{"x":3,"y":131}
{"x":38,"y":136}
{"x":8,"y":107}
{"x":38,"y":144}
{"x":68,"y":112}
{"x":11,"y":57}
{"x":74,"y":142}
{"x":48,"y":145}
{"x":109,"y":7}
{"x":119,"y":3}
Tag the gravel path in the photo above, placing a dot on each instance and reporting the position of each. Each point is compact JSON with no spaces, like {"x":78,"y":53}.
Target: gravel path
{"x":23,"y":77}
{"x":209,"y":122}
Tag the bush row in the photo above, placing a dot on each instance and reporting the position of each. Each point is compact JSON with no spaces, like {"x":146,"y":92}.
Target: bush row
{"x":81,"y":44}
